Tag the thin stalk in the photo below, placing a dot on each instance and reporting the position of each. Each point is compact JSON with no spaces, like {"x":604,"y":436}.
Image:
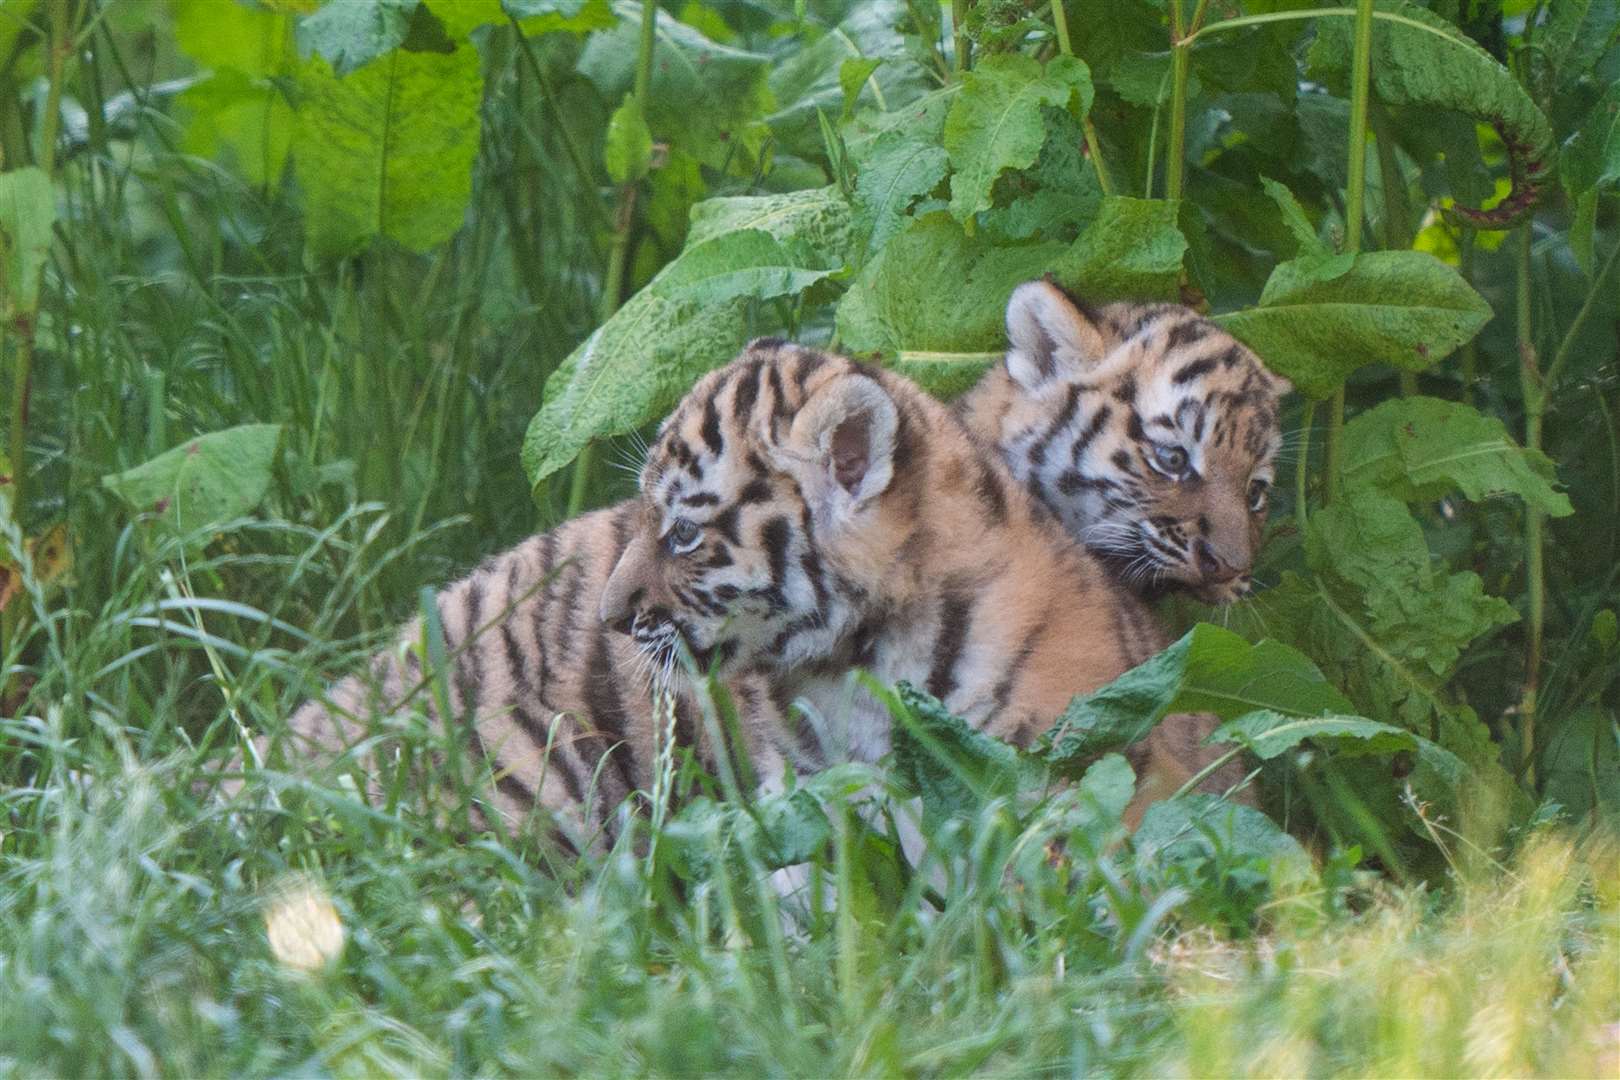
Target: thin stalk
{"x":1175,"y":157}
{"x":1470,"y":349}
{"x":964,"y":45}
{"x":1533,"y":389}
{"x":1360,"y":78}
{"x":1060,"y":21}
{"x":618,"y":255}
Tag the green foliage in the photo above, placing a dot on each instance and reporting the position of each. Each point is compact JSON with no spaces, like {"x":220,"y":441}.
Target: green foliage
{"x":1209,"y":670}
{"x":1420,"y":59}
{"x":1420,"y":449}
{"x":705,"y":99}
{"x":204,"y":481}
{"x":995,"y":123}
{"x":27,"y":212}
{"x":687,"y":320}
{"x":372,"y":182}
{"x":394,"y":242}
{"x":1321,"y":318}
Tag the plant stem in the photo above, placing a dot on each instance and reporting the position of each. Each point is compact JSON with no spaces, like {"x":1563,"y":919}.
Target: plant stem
{"x":618,"y":255}
{"x":1360,"y":78}
{"x":1060,"y":21}
{"x":1180,"y":55}
{"x":1533,"y":389}
{"x":964,"y":46}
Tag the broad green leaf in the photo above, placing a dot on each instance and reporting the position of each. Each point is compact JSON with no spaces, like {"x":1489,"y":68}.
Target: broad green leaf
{"x":1055,"y":198}
{"x":830,"y":70}
{"x":243,"y":120}
{"x":1209,"y":670}
{"x":945,"y":375}
{"x":1267,"y":734}
{"x":633,"y":368}
{"x":780,"y":830}
{"x":1196,"y":828}
{"x":1418,"y":614}
{"x":1402,"y":308}
{"x":1591,"y":158}
{"x":27,"y":214}
{"x":1573,"y":38}
{"x":203,"y":481}
{"x":1110,"y":782}
{"x":995,"y":123}
{"x":251,"y":40}
{"x":853,"y":76}
{"x":953,"y":767}
{"x":744,"y":263}
{"x":1419,"y":59}
{"x":637,"y":365}
{"x":627,"y":148}
{"x":1293,"y":216}
{"x":818,"y":218}
{"x":1422,"y":448}
{"x":551,"y":16}
{"x":388,"y":151}
{"x":894,"y":172}
{"x":1386,"y":623}
{"x":922,"y":119}
{"x":349,"y":34}
{"x":706,"y":99}
{"x":933,"y":288}
{"x":1132,"y":250}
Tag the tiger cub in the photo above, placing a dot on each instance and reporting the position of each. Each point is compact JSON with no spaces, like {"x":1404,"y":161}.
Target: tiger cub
{"x":799,"y":515}
{"x":1147,"y":429}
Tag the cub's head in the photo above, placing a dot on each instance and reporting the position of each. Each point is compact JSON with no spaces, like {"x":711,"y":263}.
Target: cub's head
{"x":1149,"y":431}
{"x":762,"y":473}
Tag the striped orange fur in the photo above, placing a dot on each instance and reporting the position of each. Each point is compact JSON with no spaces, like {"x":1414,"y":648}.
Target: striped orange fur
{"x":1147,"y":429}
{"x":799,"y":515}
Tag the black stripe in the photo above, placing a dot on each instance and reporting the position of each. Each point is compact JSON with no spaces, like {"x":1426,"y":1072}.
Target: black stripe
{"x":810,"y":562}
{"x":793,"y":630}
{"x":747,"y":392}
{"x":1125,"y":392}
{"x":1194,"y":370}
{"x":1073,"y":481}
{"x":702,"y":498}
{"x":1186,"y":333}
{"x":774,"y":535}
{"x":1232,"y":357}
{"x":1026,"y":649}
{"x":538,"y":733}
{"x":991,"y":493}
{"x":779,"y":406}
{"x":1134,"y":428}
{"x":1122,"y":462}
{"x":726,"y":522}
{"x":1089,"y":433}
{"x":568,"y":603}
{"x":1071,"y":403}
{"x":756,"y":490}
{"x":711,"y":427}
{"x":606,"y":711}
{"x":955,"y":614}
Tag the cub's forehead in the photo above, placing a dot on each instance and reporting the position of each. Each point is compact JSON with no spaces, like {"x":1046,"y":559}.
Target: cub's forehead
{"x":715,"y":444}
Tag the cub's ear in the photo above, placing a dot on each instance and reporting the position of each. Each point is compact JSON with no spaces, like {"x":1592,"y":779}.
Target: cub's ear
{"x":841,"y":445}
{"x":1048,"y":335}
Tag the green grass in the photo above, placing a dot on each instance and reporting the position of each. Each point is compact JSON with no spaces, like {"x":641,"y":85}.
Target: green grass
{"x":149,"y":927}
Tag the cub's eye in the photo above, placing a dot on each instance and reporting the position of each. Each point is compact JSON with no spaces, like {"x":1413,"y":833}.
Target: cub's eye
{"x":1171,"y":459}
{"x":683,"y":536}
{"x":1257,"y":495}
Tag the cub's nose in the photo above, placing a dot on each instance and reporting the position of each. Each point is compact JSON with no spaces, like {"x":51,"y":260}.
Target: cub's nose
{"x":1212,"y":566}
{"x":618,"y":613}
